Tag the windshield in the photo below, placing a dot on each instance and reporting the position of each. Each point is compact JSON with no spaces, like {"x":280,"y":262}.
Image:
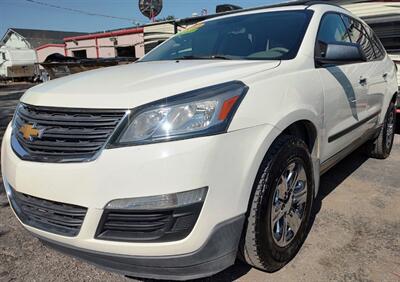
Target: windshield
{"x":261,"y":36}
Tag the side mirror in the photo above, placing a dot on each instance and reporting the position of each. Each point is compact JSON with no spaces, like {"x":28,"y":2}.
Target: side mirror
{"x":339,"y":53}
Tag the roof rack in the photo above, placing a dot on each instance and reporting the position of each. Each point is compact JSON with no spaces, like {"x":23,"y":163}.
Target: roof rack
{"x":307,"y":3}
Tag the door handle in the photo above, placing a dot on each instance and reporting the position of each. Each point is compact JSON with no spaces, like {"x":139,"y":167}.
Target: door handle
{"x":385,"y":75}
{"x":363,"y":81}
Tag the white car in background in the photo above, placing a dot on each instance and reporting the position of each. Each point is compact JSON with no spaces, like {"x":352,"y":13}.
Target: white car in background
{"x":211,"y":145}
{"x":17,"y":63}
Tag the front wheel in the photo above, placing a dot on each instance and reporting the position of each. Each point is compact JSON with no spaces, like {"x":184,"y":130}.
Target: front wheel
{"x":280,"y":207}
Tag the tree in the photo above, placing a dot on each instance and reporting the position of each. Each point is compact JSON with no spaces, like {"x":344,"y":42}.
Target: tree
{"x":167,"y":18}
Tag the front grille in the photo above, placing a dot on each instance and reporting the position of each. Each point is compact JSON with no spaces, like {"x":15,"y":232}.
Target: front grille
{"x":62,"y":135}
{"x":54,"y":217}
{"x":155,"y":226}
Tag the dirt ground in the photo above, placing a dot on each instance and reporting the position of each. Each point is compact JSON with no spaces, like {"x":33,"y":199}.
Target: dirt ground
{"x":355,"y":234}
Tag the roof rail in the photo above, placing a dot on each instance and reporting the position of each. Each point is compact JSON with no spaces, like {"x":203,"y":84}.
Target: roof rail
{"x":307,"y":3}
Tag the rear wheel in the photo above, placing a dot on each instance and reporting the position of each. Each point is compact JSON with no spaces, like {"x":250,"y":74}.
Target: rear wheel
{"x":381,"y":147}
{"x":280,"y":207}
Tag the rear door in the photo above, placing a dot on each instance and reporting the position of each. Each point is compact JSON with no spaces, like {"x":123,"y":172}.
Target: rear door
{"x":385,"y":73}
{"x":344,"y":90}
{"x":372,"y":73}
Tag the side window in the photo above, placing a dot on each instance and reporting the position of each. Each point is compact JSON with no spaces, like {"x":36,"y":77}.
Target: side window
{"x":379,"y":53}
{"x":359,"y":35}
{"x":380,"y":45}
{"x":377,"y":45}
{"x":331,"y":30}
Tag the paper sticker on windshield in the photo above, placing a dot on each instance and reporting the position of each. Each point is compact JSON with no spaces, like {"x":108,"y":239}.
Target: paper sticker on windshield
{"x":192,"y":28}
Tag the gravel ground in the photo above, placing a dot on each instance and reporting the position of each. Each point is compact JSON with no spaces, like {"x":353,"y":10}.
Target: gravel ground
{"x":355,"y":235}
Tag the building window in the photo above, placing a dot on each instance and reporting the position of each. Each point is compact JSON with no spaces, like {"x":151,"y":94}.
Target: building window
{"x":150,"y":46}
{"x":80,"y":54}
{"x":128,"y":51}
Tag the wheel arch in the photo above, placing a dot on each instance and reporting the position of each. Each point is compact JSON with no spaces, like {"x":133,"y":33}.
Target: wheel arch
{"x":307,"y":129}
{"x":304,"y":128}
{"x":304,"y":124}
{"x":301,"y":120}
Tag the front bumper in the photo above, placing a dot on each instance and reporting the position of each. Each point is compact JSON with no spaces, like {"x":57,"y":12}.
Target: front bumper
{"x":227,"y":164}
{"x":218,"y":253}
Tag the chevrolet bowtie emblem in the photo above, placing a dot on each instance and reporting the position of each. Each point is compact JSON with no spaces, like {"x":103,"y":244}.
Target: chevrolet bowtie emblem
{"x":30,"y":131}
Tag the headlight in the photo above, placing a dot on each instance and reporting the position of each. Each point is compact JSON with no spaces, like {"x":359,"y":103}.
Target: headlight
{"x":196,"y":113}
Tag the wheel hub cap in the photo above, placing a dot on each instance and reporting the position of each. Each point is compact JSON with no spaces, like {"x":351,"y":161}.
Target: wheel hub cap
{"x":288,"y":204}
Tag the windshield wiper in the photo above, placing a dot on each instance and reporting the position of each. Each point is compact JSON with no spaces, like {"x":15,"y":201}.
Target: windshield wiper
{"x":213,"y":57}
{"x":190,"y":58}
{"x":221,"y":57}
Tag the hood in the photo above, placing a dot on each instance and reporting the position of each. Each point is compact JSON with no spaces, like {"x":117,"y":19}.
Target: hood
{"x":129,"y":86}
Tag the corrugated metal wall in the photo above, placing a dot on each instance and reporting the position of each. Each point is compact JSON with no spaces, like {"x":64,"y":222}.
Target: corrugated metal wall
{"x":374,"y":9}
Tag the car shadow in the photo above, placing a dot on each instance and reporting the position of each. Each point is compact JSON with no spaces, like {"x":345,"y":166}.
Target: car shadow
{"x":232,"y":273}
{"x":334,"y":177}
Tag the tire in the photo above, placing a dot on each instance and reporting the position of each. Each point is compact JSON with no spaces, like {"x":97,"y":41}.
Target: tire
{"x":381,"y":147}
{"x":261,"y":246}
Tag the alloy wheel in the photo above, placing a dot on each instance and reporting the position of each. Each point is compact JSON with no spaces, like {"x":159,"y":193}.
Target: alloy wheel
{"x":289,"y":204}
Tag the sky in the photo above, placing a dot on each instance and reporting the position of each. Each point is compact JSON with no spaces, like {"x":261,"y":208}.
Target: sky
{"x":26,"y":14}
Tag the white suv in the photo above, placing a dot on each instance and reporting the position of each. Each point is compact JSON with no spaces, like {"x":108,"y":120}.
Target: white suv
{"x":209,"y":146}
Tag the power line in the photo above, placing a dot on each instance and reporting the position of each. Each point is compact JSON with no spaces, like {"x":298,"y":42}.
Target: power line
{"x":81,"y":11}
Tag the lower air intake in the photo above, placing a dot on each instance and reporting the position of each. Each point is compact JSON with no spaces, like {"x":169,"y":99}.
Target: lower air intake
{"x":155,"y":226}
{"x":53,"y":217}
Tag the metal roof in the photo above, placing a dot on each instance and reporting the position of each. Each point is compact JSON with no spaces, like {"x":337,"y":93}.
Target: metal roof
{"x":374,"y":9}
{"x":38,"y":37}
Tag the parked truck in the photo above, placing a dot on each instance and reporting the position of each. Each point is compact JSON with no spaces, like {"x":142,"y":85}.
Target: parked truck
{"x":17,"y":64}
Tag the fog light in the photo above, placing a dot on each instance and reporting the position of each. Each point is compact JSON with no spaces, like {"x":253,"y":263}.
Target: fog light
{"x":166,"y":201}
